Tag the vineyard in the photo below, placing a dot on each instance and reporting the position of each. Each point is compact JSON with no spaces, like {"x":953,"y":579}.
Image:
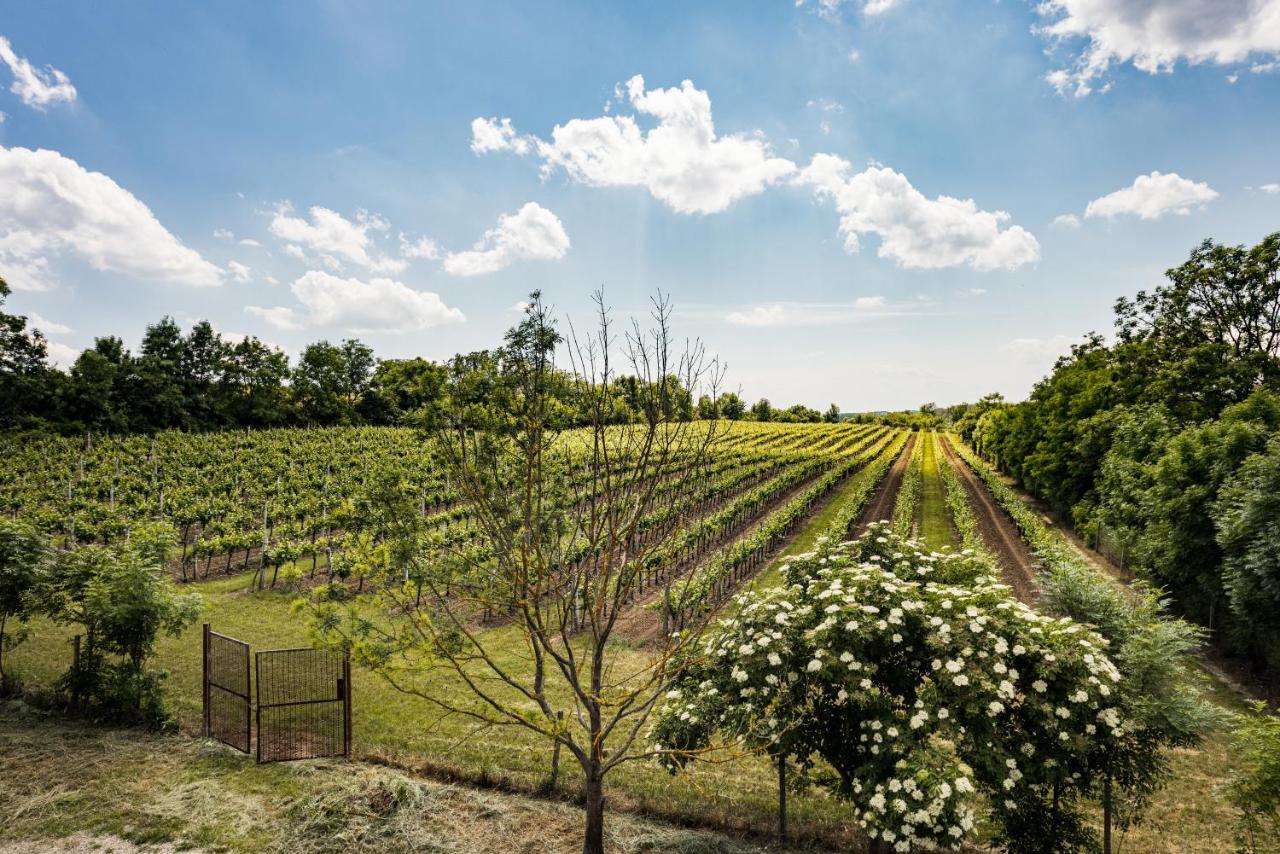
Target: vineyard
{"x":258,"y":517}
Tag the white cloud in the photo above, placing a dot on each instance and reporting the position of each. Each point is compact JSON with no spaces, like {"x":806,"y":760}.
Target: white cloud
{"x":3,"y":116}
{"x":1040,"y":350}
{"x":760,"y":315}
{"x":681,"y":161}
{"x":826,"y":105}
{"x":423,"y":247}
{"x":531,"y":233}
{"x":1152,"y":196}
{"x":224,"y":234}
{"x":36,"y":87}
{"x":48,"y":327}
{"x":1270,"y":188}
{"x":60,"y":354}
{"x":239,"y":271}
{"x":915,"y":231}
{"x":830,"y":9}
{"x":51,"y":204}
{"x":1068,"y":220}
{"x":249,"y":241}
{"x":378,"y":305}
{"x":295,"y":251}
{"x":976,"y":292}
{"x":281,"y":317}
{"x":878,"y":7}
{"x":818,"y":313}
{"x":1264,"y":67}
{"x":854,"y":55}
{"x":1154,"y":35}
{"x":493,"y":135}
{"x":329,"y":233}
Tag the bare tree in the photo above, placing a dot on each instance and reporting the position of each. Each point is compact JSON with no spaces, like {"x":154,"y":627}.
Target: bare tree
{"x":559,"y":542}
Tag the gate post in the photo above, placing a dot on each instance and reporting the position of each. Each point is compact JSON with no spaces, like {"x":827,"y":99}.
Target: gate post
{"x":257,"y":680}
{"x":346,"y":702}
{"x":204,"y":681}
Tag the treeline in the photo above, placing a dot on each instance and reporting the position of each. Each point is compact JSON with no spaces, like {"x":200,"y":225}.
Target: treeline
{"x":201,"y":381}
{"x":1163,"y":446}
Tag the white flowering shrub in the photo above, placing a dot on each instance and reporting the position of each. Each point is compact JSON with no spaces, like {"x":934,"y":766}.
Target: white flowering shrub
{"x":919,"y":681}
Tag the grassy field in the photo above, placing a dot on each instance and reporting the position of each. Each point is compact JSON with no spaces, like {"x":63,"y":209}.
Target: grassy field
{"x":113,"y":790}
{"x":933,"y":518}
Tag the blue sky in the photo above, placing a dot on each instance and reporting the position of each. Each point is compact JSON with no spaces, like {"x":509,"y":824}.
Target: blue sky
{"x":818,"y":235}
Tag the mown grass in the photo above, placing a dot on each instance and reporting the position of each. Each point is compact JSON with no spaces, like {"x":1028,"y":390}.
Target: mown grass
{"x":933,"y":518}
{"x":60,"y":780}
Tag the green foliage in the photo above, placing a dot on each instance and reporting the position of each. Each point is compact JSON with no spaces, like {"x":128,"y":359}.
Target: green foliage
{"x":1255,"y":788}
{"x":24,"y":555}
{"x":921,"y":683}
{"x":1135,"y":440}
{"x":122,"y":601}
{"x":1246,"y":517}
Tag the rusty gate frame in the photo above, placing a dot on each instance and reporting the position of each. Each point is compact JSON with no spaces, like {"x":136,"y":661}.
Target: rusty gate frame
{"x":209,"y":685}
{"x":253,"y":729}
{"x":341,"y":696}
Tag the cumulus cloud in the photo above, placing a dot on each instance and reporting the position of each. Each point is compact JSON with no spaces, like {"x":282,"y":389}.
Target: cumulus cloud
{"x":250,"y":242}
{"x":1152,"y":196}
{"x":36,"y":87}
{"x":48,"y":327}
{"x":818,"y":313}
{"x":239,"y":271}
{"x":378,"y":305}
{"x":60,"y":354}
{"x":52,"y":205}
{"x":1270,"y":188}
{"x":531,"y":233}
{"x":1068,"y":220}
{"x":681,"y":160}
{"x":333,"y":236}
{"x":830,"y":9}
{"x":1040,"y":350}
{"x":423,"y":247}
{"x":493,"y":135}
{"x":1154,"y":35}
{"x":916,"y":231}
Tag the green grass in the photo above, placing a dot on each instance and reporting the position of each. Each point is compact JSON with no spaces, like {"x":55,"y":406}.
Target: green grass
{"x":807,"y":538}
{"x":934,"y":520}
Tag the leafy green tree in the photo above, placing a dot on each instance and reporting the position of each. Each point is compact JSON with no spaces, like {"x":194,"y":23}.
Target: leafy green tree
{"x":123,"y":601}
{"x":23,"y":369}
{"x":252,"y":388}
{"x":1255,"y":785}
{"x":731,"y":406}
{"x":24,"y":554}
{"x":322,"y":385}
{"x":1247,"y":517}
{"x":1160,"y":693}
{"x":558,"y":545}
{"x":832,"y":415}
{"x":761,"y":410}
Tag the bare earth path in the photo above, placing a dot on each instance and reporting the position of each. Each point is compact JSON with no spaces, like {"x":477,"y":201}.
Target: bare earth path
{"x":880,"y":507}
{"x":1017,"y":564}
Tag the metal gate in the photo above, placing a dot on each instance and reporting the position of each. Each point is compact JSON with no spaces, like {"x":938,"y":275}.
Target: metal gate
{"x":304,"y":703}
{"x":226,"y":690}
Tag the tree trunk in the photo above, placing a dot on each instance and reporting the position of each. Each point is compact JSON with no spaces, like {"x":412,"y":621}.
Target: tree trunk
{"x":782,"y":799}
{"x":593,"y":837}
{"x":1106,"y":815}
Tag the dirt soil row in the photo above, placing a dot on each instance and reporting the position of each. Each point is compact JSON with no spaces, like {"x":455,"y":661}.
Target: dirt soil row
{"x":1017,"y":563}
{"x":880,"y":507}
